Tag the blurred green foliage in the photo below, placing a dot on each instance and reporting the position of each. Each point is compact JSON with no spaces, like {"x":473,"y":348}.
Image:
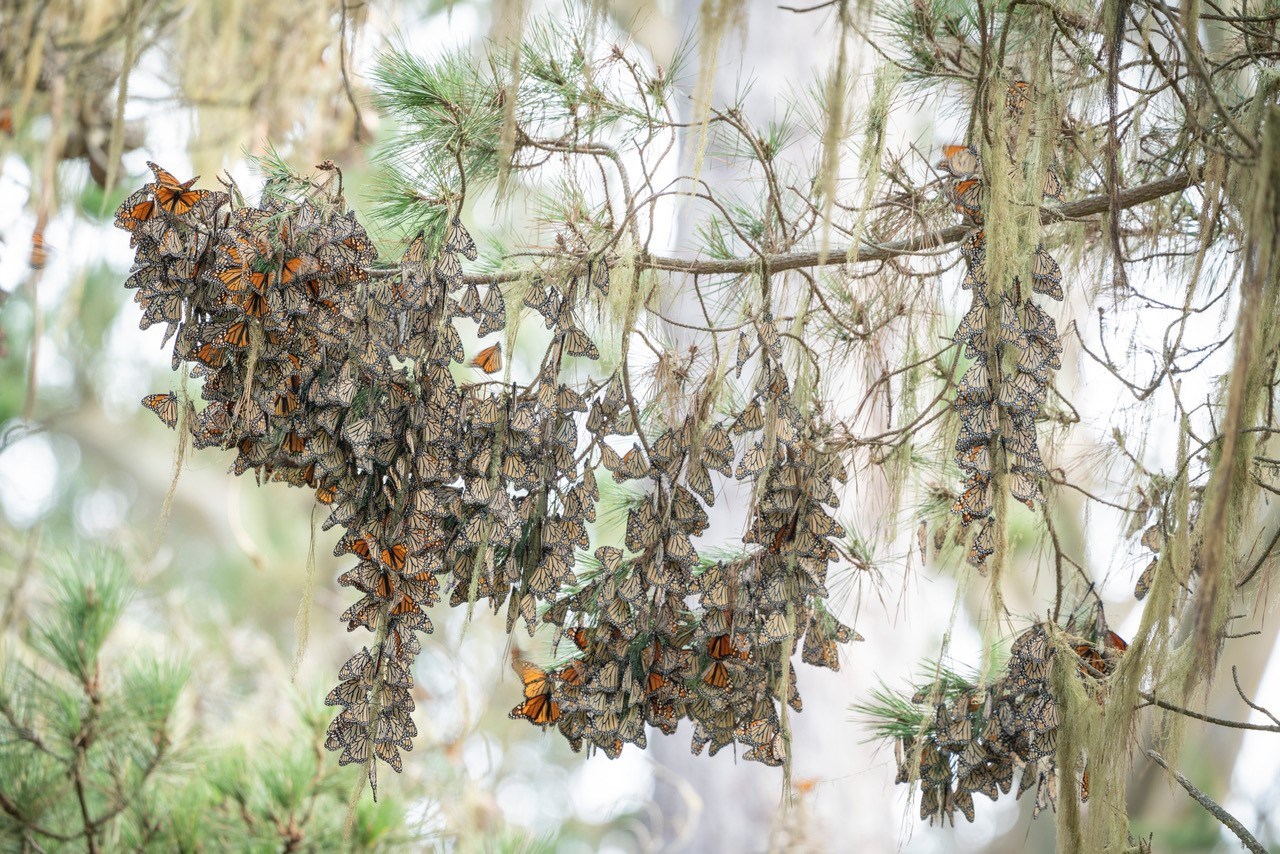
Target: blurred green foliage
{"x":95,"y":754}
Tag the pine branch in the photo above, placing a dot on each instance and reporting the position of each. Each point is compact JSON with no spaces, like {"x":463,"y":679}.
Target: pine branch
{"x":1090,"y":206}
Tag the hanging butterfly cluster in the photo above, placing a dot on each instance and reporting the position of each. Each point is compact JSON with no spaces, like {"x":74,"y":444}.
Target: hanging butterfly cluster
{"x":1014,"y":347}
{"x":979,"y":736}
{"x":650,"y":657}
{"x":324,"y":370}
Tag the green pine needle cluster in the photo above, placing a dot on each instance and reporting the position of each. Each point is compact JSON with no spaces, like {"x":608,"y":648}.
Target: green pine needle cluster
{"x":96,"y":752}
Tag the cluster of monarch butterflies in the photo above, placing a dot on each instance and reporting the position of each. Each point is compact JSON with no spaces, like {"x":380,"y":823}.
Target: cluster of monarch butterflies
{"x":1013,"y":345}
{"x":326,"y":370}
{"x":979,"y":736}
{"x":641,"y":653}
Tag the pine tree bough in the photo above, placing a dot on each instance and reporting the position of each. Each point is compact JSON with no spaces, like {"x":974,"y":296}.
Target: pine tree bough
{"x":836,"y":255}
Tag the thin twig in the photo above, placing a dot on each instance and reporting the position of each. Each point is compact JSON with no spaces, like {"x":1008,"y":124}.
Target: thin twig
{"x":1210,"y":719}
{"x":346,"y":76}
{"x":1228,"y":820}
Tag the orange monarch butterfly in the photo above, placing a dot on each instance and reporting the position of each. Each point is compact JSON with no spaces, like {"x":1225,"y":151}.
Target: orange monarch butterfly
{"x":960,"y":160}
{"x":165,"y":406}
{"x":717,"y":675}
{"x":172,"y":195}
{"x":253,"y":303}
{"x":235,"y":278}
{"x":297,"y":267}
{"x":135,"y":210}
{"x":573,"y":674}
{"x":974,"y":247}
{"x":489,"y":359}
{"x":39,"y":251}
{"x":237,"y":334}
{"x":967,"y":198}
{"x":538,"y":708}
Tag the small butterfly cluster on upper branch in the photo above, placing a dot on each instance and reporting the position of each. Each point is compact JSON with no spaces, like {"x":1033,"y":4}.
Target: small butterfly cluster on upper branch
{"x":1014,"y":347}
{"x":327,"y":371}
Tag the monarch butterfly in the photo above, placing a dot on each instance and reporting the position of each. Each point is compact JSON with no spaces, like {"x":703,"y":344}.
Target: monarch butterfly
{"x":642,"y":527}
{"x":966,"y":197}
{"x":448,"y":272}
{"x":576,"y":343}
{"x":975,"y":385}
{"x":1031,"y":645}
{"x":415,"y":255}
{"x":1051,"y":187}
{"x":350,"y":692}
{"x":173,"y":195}
{"x":1039,"y":324}
{"x":297,"y":267}
{"x":1101,"y":661}
{"x":580,"y":636}
{"x":237,"y":275}
{"x":1037,"y":360}
{"x":253,"y":303}
{"x":489,"y":359}
{"x":1022,"y":442}
{"x":358,"y":666}
{"x":135,"y":210}
{"x":973,"y":325}
{"x":716,"y":675}
{"x":515,"y":467}
{"x":750,"y":418}
{"x":598,"y":274}
{"x":395,"y":727}
{"x":981,"y":547}
{"x":543,"y":579}
{"x":632,"y":466}
{"x":393,"y":558}
{"x":457,"y":240}
{"x":743,"y":353}
{"x":493,"y":313}
{"x":538,"y":707}
{"x":1046,"y":275}
{"x":1014,"y":400}
{"x":961,"y":161}
{"x":363,"y":613}
{"x":237,"y":334}
{"x":367,"y":578}
{"x":165,"y":406}
{"x":568,"y":400}
{"x":389,"y":754}
{"x":1028,"y":384}
{"x":963,"y":801}
{"x":974,"y":247}
{"x":1017,"y":97}
{"x":1153,"y":538}
{"x":407,"y":610}
{"x":753,"y":462}
{"x":975,"y":502}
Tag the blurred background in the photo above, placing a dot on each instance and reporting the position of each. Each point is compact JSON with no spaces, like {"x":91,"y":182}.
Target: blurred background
{"x":222,"y":583}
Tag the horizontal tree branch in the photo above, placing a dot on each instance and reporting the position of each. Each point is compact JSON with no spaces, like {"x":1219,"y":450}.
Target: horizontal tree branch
{"x":1089,"y":206}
